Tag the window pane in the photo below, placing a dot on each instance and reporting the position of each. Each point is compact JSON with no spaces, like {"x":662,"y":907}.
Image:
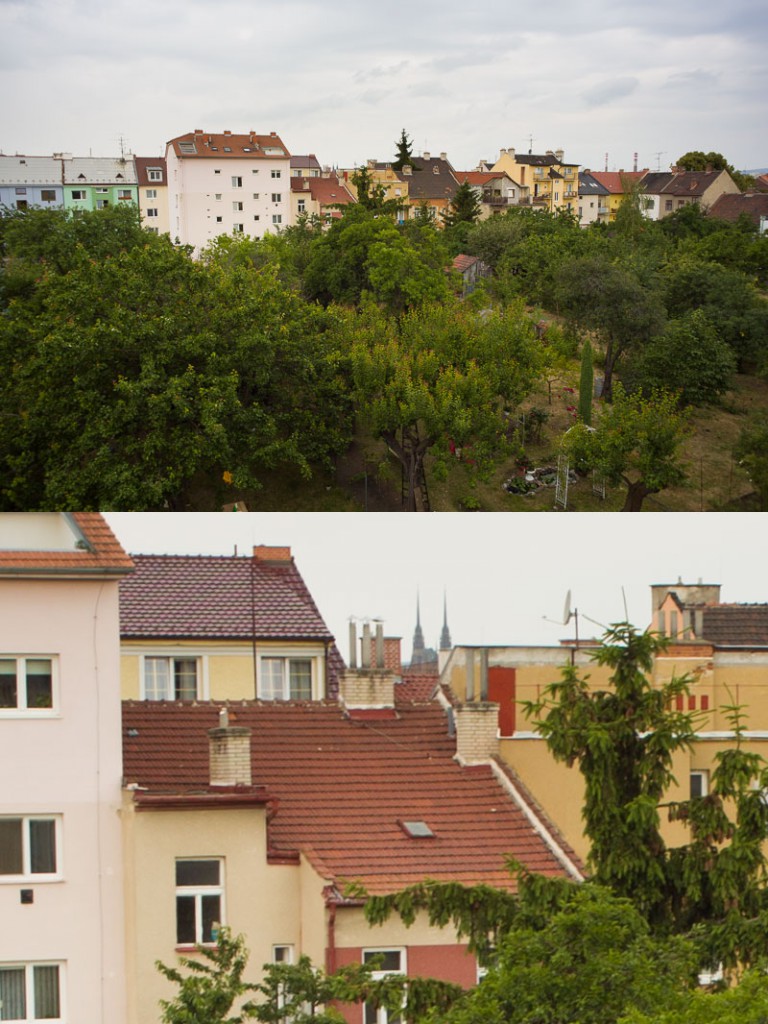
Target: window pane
{"x":42,"y":842}
{"x":185,"y":920}
{"x":39,"y":688}
{"x":46,"y":981}
{"x":8,"y":683}
{"x":211,"y":916}
{"x":272,"y":678}
{"x":10,"y":847}
{"x":386,"y":959}
{"x":301,"y":679}
{"x":197,"y":872}
{"x":185,"y":678}
{"x":156,"y":678}
{"x":13,"y":1003}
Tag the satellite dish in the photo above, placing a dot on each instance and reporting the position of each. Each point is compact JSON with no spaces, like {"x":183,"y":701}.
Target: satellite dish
{"x":567,"y":613}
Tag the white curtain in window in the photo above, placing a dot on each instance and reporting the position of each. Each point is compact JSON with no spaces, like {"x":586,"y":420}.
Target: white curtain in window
{"x":13,"y":1002}
{"x":156,"y":678}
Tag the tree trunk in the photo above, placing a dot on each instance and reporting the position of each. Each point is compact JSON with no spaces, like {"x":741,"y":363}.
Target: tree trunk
{"x":637,"y":492}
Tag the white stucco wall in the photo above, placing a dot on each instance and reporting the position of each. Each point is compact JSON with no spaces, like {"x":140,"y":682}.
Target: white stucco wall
{"x":68,"y":764}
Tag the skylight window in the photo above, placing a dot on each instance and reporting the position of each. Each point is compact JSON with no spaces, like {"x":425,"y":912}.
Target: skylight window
{"x":417,"y":829}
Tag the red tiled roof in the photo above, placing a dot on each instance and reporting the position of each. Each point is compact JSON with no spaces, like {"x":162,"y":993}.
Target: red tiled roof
{"x":100,"y":553}
{"x":326,"y":191}
{"x":218,"y":597}
{"x":416,"y":688}
{"x":228,"y":146}
{"x":462,"y":262}
{"x":616,"y":181}
{"x":343,"y":787}
{"x":736,"y":625}
{"x":143,"y":163}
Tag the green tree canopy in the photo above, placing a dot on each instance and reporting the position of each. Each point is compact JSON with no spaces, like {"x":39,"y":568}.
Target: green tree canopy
{"x":404,"y":156}
{"x":464,"y":207}
{"x":752,"y":451}
{"x":696,"y":160}
{"x":636,"y":441}
{"x":689,"y":358}
{"x":599,"y":295}
{"x":442,"y":377}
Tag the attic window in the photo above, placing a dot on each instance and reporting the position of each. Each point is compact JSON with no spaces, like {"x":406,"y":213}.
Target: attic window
{"x":435,"y":169}
{"x":187,"y":146}
{"x":227,"y":149}
{"x":417,"y":829}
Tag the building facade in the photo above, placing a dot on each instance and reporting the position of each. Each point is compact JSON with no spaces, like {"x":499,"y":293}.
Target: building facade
{"x":61,"y":865}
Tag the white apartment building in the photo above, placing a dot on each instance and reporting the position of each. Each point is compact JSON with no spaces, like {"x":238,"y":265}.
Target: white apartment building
{"x":224,"y":184}
{"x":62,"y":919}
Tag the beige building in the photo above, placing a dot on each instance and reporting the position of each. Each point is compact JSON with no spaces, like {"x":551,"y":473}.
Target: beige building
{"x":552,"y":183}
{"x":723,"y":648}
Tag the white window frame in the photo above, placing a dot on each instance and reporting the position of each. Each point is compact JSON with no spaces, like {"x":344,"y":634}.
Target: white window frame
{"x":151,"y":193}
{"x":22,"y":709}
{"x":154,"y":174}
{"x":283,"y":953}
{"x":277,"y":197}
{"x":153,"y":211}
{"x":274,"y":173}
{"x":29,"y":989}
{"x":201,"y":668}
{"x":286,"y":656}
{"x":102,"y":204}
{"x":124,"y":193}
{"x":27,"y":874}
{"x":197,"y":892}
{"x":78,"y":195}
{"x":237,"y":206}
{"x":382,"y":1014}
{"x":237,"y":181}
{"x":703,"y":775}
{"x":277,"y":218}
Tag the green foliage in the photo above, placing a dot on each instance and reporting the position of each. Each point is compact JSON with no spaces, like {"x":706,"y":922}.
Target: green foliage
{"x":599,"y":295}
{"x":745,"y":1003}
{"x":752,"y":452}
{"x":696,"y":160}
{"x":623,"y":741}
{"x":212,"y":985}
{"x":730,"y":300}
{"x":688,"y":357}
{"x":128,"y":375}
{"x":586,"y":384}
{"x":371,"y":194}
{"x":464,"y":207}
{"x":442,"y":375}
{"x":404,"y":156}
{"x":636,"y":441}
{"x":592,"y":961}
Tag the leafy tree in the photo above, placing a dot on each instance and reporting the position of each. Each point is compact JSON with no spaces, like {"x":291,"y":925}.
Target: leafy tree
{"x":636,"y":441}
{"x":586,"y":384}
{"x":752,"y":452}
{"x":464,"y":207}
{"x":730,"y":300}
{"x":371,"y":194}
{"x":212,"y":986}
{"x":745,"y":1003}
{"x":592,"y":961}
{"x":600,"y":295}
{"x":130,"y":375}
{"x":442,"y":378}
{"x":696,"y":160}
{"x":623,"y":741}
{"x":689,"y":358}
{"x":404,"y":157}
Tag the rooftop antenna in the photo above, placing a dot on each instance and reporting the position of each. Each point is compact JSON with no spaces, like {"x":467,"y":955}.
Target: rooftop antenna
{"x":658,"y":156}
{"x":606,"y":161}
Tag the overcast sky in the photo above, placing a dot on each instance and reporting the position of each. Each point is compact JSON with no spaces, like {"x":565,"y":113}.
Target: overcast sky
{"x":341,"y":78}
{"x":504,"y":574}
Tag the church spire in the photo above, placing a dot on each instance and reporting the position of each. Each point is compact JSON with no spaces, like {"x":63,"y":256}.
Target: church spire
{"x":418,"y":637}
{"x":445,"y":635}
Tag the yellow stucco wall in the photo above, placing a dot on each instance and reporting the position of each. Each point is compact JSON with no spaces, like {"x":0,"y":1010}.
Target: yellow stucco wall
{"x":725,"y":677}
{"x":261,"y":901}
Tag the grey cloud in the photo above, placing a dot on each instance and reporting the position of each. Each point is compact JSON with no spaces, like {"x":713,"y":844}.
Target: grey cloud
{"x":610,"y":89}
{"x":380,"y":71}
{"x":697,"y":78}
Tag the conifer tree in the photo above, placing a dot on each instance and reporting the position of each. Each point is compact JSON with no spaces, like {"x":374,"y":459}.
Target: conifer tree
{"x":464,"y":208}
{"x":404,"y":157}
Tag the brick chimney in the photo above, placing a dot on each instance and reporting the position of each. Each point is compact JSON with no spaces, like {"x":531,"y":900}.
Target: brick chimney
{"x":477,"y":731}
{"x":372,"y":684}
{"x":271,"y":555}
{"x":229,"y":752}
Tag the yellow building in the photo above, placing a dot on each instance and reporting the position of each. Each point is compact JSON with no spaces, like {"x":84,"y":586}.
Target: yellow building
{"x":552,"y":183}
{"x":723,"y":648}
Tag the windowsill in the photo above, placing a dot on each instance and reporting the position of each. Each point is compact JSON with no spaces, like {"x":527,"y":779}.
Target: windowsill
{"x":194,"y":947}
{"x":16,"y":713}
{"x":28,"y":881}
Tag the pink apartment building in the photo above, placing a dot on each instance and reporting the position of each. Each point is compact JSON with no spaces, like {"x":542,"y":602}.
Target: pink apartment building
{"x":61,"y":872}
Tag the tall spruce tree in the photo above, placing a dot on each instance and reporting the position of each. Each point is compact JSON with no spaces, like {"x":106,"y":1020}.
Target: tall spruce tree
{"x":464,"y":208}
{"x":404,"y":157}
